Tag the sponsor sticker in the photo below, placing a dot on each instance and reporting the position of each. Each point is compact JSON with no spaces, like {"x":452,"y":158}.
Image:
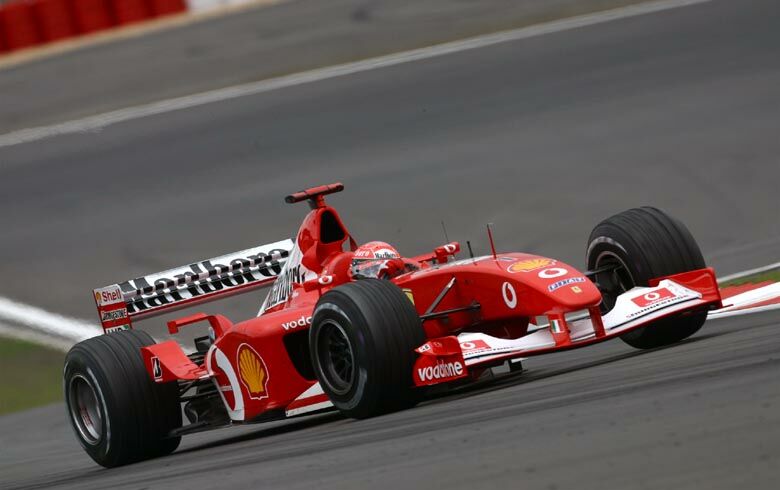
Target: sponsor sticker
{"x":474,"y":346}
{"x":564,"y":282}
{"x":653,"y":297}
{"x":303,"y":321}
{"x":113,"y":315}
{"x":440,"y":371}
{"x":252,"y":372}
{"x":576,"y":289}
{"x":294,"y":272}
{"x":553,"y":272}
{"x":325,"y":280}
{"x":382,"y":253}
{"x":409,"y":294}
{"x":108,"y":295}
{"x":117,"y":329}
{"x":530,"y":265}
{"x":205,"y":277}
{"x":510,"y":297}
{"x":157,"y":369}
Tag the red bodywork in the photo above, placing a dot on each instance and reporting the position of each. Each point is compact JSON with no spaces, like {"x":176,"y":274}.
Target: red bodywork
{"x":475,"y":312}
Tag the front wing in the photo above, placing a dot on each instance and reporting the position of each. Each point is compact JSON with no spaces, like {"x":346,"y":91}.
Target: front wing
{"x":440,"y":359}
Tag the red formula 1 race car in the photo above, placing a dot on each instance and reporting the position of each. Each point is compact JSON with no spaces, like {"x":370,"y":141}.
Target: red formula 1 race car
{"x":364,"y":330}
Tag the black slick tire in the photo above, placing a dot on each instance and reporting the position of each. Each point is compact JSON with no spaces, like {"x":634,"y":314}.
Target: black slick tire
{"x":362,"y":342}
{"x":118,"y":413}
{"x":644,"y":243}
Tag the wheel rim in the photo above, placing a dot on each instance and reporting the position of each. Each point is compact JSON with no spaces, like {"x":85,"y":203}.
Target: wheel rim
{"x":84,"y":409}
{"x":336,"y":357}
{"x":615,"y":279}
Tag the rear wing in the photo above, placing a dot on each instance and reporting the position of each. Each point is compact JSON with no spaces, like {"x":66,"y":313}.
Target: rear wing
{"x":120,"y":304}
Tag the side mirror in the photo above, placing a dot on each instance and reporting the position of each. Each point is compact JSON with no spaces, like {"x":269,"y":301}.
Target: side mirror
{"x":446,"y":250}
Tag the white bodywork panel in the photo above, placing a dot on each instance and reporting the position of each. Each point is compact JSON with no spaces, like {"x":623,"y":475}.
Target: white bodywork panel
{"x":633,"y":308}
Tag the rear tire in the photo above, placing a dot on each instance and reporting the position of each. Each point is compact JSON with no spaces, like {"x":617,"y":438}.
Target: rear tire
{"x":645,"y":243}
{"x":362,"y":342}
{"x":118,"y":413}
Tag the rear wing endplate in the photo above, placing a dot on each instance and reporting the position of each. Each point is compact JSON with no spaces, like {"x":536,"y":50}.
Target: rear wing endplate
{"x":206,"y":280}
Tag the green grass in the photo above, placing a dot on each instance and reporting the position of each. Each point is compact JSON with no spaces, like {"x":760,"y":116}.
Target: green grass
{"x":32,"y":375}
{"x":771,"y":276}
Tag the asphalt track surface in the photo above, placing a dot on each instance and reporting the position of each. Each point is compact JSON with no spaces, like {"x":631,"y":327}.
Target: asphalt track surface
{"x":543,"y":137}
{"x":252,"y":44}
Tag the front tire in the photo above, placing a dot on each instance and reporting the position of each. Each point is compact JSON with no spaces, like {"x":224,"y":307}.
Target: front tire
{"x":362,"y":342}
{"x":638,"y":245}
{"x":118,"y":413}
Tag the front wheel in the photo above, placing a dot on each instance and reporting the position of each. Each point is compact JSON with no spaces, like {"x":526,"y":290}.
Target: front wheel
{"x":362,"y":342}
{"x":637,"y":245}
{"x":118,"y":413}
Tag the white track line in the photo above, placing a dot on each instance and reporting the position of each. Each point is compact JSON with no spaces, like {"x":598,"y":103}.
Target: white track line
{"x":95,"y":123}
{"x":737,"y":303}
{"x":35,"y":337}
{"x":27,"y":322}
{"x":716,"y":315}
{"x":58,"y":327}
{"x":757,"y":270}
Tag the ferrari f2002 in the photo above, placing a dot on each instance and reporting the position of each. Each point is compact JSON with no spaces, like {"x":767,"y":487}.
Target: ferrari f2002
{"x":362,"y":329}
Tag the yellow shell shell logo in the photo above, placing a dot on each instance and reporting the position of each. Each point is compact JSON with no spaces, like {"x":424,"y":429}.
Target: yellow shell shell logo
{"x":530,"y":265}
{"x":252,"y":371}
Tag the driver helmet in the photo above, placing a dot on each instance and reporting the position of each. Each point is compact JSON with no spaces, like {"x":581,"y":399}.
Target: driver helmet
{"x":370,"y":260}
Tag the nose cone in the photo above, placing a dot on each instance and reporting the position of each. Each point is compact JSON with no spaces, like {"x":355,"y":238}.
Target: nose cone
{"x":574,"y":293}
{"x":559,"y":286}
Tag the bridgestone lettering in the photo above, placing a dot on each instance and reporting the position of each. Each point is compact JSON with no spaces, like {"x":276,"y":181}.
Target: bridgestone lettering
{"x":113,"y":315}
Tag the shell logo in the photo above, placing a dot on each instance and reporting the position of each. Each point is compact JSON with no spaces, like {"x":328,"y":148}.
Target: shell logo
{"x":529,"y":265}
{"x":252,"y":372}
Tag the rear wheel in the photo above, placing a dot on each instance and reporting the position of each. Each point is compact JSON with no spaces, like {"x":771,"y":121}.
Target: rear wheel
{"x":118,"y":413}
{"x":362,"y":342}
{"x":632,"y":247}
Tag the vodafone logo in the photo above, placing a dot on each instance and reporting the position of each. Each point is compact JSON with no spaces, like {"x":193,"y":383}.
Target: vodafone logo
{"x":301,"y":322}
{"x":325,"y":280}
{"x":553,"y":272}
{"x":474,"y":345}
{"x":510,"y":297}
{"x":449,"y":248}
{"x":653,"y":297}
{"x":441,"y":370}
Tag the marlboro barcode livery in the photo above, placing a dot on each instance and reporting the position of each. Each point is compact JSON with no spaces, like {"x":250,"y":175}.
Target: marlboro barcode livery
{"x":364,"y":329}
